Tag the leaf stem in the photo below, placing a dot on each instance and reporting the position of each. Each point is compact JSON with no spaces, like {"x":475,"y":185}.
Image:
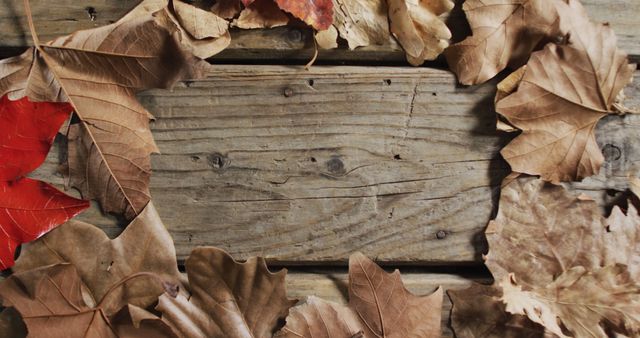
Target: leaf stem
{"x":32,"y":27}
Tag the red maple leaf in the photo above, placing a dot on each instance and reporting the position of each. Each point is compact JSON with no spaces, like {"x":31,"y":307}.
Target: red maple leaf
{"x":29,"y":208}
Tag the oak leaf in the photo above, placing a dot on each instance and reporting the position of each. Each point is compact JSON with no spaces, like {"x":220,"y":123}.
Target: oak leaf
{"x":99,"y":71}
{"x":51,"y":303}
{"x":565,"y":90}
{"x":379,"y":306}
{"x":145,"y":246}
{"x":418,"y":28}
{"x":229,"y":299}
{"x":479,"y":311}
{"x":505,"y":32}
{"x":547,"y":247}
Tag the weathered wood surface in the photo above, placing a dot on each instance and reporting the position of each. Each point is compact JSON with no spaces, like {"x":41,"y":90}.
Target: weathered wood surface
{"x":60,"y":17}
{"x":333,"y":286}
{"x":306,"y":167}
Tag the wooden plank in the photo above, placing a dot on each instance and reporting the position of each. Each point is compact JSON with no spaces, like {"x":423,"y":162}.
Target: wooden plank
{"x":305,"y":167}
{"x":60,"y":17}
{"x":333,"y":286}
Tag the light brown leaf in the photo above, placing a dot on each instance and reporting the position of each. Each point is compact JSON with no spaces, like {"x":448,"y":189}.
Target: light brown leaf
{"x":505,"y":32}
{"x":550,"y":250}
{"x":379,"y":306}
{"x":565,"y":91}
{"x":144,"y":246}
{"x":418,"y":28}
{"x":362,"y":22}
{"x":261,"y":14}
{"x":50,"y":301}
{"x":99,"y":71}
{"x":203,"y":33}
{"x":478,"y":311}
{"x":229,"y":299}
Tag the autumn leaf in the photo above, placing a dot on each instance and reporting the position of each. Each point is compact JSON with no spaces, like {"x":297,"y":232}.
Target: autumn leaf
{"x":229,"y":299}
{"x":379,"y":306}
{"x":226,"y":9}
{"x":478,"y":311}
{"x":203,"y":33}
{"x":556,"y":260}
{"x":261,"y":14}
{"x":50,"y":301}
{"x":566,"y":89}
{"x":28,"y":130}
{"x":29,"y":209}
{"x":11,"y":324}
{"x":362,"y":22}
{"x":316,"y":13}
{"x":505,"y":32}
{"x":99,"y":71}
{"x":144,"y":246}
{"x":416,"y":25}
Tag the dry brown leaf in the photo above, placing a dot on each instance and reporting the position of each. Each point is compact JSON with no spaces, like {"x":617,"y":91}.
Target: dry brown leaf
{"x":315,"y":13}
{"x":362,"y":22}
{"x":565,"y":91}
{"x":229,"y":299}
{"x":144,"y":246}
{"x":50,"y":301}
{"x":379,"y":306}
{"x":203,"y":33}
{"x":478,"y":311}
{"x":505,"y":32}
{"x":261,"y":14}
{"x":418,"y":28}
{"x":227,"y":9}
{"x":99,"y":71}
{"x":11,"y":324}
{"x":547,"y":247}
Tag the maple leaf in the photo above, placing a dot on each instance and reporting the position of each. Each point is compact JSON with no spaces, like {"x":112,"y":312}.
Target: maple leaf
{"x":565,"y":90}
{"x":379,"y":306}
{"x":50,"y":301}
{"x":229,"y":299}
{"x":261,"y":14}
{"x":547,"y":247}
{"x":478,"y":311}
{"x":99,"y":71}
{"x":416,"y":25}
{"x":28,"y":130}
{"x":144,"y":246}
{"x":505,"y":32}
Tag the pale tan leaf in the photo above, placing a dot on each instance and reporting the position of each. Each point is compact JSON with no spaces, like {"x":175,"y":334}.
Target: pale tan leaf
{"x":379,"y":306}
{"x":328,"y":38}
{"x":144,"y":246}
{"x":261,"y":14}
{"x":229,"y":299}
{"x":362,"y":22}
{"x":203,"y":33}
{"x":565,"y":91}
{"x":478,"y":311}
{"x":505,"y":32}
{"x":418,"y":28}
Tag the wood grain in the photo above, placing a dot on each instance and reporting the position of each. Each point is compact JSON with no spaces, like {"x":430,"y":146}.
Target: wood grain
{"x":60,"y":17}
{"x":306,"y":167}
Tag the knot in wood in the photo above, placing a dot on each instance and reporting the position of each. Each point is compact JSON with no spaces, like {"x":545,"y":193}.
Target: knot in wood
{"x":217,"y":160}
{"x":441,"y":234}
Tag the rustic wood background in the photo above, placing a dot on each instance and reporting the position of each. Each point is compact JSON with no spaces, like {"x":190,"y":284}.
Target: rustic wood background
{"x":360,"y":153}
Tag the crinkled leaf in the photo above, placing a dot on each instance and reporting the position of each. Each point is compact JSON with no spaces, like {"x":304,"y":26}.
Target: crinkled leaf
{"x":478,"y":311}
{"x":144,"y":246}
{"x":229,"y":299}
{"x":505,"y":32}
{"x":559,"y":261}
{"x":29,"y":209}
{"x":316,"y":13}
{"x":416,"y":25}
{"x":261,"y":14}
{"x":379,"y":306}
{"x":27,"y":132}
{"x":566,"y":89}
{"x":362,"y":22}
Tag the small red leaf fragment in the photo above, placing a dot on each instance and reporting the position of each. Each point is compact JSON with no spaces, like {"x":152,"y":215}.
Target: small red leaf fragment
{"x":316,"y":13}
